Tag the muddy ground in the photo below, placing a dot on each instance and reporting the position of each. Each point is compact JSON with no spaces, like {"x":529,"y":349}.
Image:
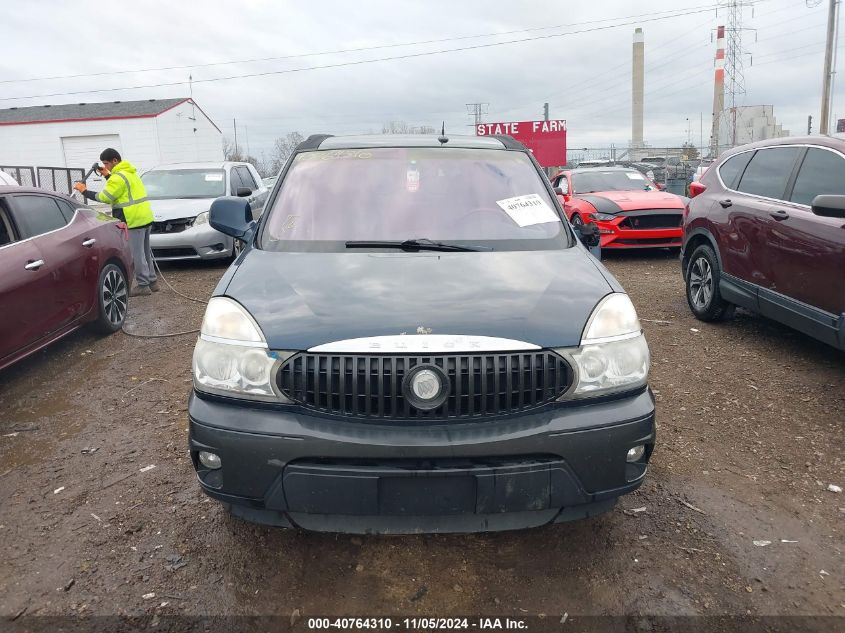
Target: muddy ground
{"x":750,"y":435}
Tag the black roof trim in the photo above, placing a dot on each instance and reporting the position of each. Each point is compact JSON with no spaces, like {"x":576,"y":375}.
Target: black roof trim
{"x":313,"y":142}
{"x":509,"y":142}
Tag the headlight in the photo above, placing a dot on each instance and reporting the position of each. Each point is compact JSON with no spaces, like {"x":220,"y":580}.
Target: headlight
{"x":201,"y":218}
{"x":613,"y":355}
{"x":604,"y":217}
{"x":231,"y":357}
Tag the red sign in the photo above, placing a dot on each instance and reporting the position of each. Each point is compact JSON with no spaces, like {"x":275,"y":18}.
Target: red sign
{"x":545,"y":139}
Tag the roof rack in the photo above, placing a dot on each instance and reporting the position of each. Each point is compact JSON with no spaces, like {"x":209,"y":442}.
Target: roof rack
{"x":313,"y":141}
{"x":509,"y":142}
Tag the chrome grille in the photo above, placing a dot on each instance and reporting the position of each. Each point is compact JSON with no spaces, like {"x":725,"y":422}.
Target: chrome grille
{"x":371,"y":386}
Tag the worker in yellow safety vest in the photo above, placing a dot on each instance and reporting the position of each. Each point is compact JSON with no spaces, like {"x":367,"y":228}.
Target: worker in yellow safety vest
{"x":128,"y":199}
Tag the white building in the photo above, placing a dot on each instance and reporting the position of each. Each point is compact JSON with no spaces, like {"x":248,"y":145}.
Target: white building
{"x":146,"y":133}
{"x":753,"y":123}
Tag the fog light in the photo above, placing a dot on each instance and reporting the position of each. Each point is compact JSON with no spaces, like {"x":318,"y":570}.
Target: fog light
{"x":634,"y":454}
{"x":213,"y":461}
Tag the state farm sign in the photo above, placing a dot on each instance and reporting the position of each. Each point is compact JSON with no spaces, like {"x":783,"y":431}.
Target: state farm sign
{"x":545,"y":139}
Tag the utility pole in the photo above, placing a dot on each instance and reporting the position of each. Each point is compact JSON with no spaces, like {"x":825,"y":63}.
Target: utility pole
{"x":701,"y":134}
{"x":809,"y":125}
{"x":548,"y":170}
{"x":235,"y":125}
{"x":827,"y":84}
{"x":477,"y":111}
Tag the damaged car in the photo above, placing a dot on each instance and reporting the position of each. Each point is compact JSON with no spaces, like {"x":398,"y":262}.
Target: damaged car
{"x":414,"y":339}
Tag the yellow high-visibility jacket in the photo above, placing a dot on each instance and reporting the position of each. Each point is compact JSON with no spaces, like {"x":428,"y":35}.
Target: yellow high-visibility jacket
{"x":127,"y":196}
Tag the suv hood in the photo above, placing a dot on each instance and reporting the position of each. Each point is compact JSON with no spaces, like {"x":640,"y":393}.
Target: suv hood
{"x":175,"y":208}
{"x":301,"y":300}
{"x":619,"y":201}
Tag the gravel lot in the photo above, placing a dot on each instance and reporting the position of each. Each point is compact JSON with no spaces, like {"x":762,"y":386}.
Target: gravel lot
{"x":737,"y":514}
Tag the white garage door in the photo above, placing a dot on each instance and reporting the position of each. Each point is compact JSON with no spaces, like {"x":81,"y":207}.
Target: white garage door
{"x":82,"y":151}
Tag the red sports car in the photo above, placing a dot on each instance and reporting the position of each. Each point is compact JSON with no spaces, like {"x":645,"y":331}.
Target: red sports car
{"x":61,"y":265}
{"x":627,"y":207}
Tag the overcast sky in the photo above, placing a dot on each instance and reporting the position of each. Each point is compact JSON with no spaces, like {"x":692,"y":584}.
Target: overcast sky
{"x":586,"y":77}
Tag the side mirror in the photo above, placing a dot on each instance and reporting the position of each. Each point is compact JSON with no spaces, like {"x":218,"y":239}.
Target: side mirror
{"x":243,"y":192}
{"x":558,"y":191}
{"x":829,"y":206}
{"x":589,"y":235}
{"x":231,"y":216}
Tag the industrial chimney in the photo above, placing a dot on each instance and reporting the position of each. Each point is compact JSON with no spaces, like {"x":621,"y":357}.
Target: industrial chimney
{"x":637,"y":97}
{"x":718,"y":92}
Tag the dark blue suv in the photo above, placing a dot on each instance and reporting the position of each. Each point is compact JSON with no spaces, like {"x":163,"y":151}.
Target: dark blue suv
{"x":415,"y":340}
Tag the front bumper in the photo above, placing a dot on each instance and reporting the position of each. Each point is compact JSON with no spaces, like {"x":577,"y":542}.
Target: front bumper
{"x":283,"y":467}
{"x":195,"y":242}
{"x":615,"y":237}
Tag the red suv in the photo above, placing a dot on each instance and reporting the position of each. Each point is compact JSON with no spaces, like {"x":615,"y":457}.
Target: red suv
{"x":765,"y":230}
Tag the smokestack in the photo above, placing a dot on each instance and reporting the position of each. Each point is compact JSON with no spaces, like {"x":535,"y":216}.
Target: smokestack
{"x":637,"y":97}
{"x":718,"y":92}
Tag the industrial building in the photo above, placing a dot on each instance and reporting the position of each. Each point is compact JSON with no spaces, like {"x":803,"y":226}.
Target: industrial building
{"x":746,"y":124}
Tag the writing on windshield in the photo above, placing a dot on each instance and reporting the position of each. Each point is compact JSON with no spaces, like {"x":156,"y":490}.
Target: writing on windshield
{"x":397,"y":194}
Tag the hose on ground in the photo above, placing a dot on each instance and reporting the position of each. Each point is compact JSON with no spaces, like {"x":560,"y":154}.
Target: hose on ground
{"x":172,"y":334}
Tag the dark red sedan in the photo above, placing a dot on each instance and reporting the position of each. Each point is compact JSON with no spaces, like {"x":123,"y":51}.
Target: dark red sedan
{"x":62,"y":265}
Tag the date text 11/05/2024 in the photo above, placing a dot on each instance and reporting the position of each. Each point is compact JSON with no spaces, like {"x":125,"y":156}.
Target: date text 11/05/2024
{"x":417,"y":624}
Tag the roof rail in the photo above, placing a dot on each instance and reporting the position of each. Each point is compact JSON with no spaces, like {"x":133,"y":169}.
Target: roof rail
{"x":313,"y":141}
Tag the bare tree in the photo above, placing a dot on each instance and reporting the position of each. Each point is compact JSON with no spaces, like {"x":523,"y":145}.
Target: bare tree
{"x":690,"y":150}
{"x":401,"y":127}
{"x":232,"y":153}
{"x":283,"y":147}
{"x":395,"y":127}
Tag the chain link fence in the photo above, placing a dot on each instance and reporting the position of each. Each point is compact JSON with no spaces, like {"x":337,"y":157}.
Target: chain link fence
{"x":24,"y":176}
{"x":59,"y":179}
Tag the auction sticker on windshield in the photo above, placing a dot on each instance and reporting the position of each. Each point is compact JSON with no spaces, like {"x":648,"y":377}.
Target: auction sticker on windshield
{"x":213,"y":177}
{"x":528,"y":210}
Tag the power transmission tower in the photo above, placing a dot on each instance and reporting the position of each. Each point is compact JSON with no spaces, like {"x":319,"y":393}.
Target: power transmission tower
{"x":735,"y":64}
{"x":477,"y":111}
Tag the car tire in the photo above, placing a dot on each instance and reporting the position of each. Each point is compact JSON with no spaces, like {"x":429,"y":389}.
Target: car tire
{"x":702,"y":286}
{"x":112,"y":299}
{"x":576,"y":221}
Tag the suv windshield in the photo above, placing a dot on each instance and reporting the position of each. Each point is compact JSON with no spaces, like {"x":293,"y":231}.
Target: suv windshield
{"x":616,"y":180}
{"x":185,"y":183}
{"x":479,"y":198}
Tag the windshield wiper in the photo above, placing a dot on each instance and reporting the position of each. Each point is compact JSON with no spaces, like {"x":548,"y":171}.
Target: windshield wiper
{"x":419,"y":244}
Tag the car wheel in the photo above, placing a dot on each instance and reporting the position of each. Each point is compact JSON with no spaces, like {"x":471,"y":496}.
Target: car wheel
{"x":576,"y":221}
{"x":112,"y":299}
{"x":703,"y":294}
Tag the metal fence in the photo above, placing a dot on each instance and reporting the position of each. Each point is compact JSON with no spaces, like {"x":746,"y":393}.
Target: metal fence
{"x":25,"y":176}
{"x":59,"y":179}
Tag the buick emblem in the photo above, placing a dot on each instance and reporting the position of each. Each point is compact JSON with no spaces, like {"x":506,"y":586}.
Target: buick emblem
{"x":426,"y":387}
{"x":425,"y":384}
